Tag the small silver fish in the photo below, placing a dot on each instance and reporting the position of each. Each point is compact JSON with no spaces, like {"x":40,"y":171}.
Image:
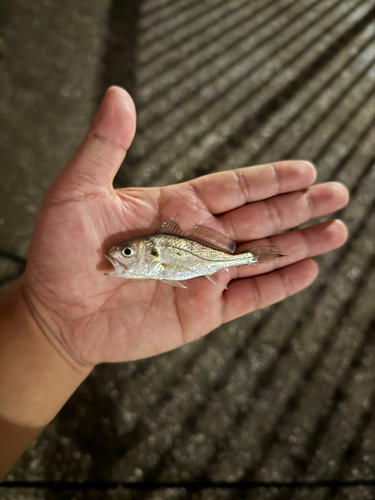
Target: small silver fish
{"x":173,"y":255}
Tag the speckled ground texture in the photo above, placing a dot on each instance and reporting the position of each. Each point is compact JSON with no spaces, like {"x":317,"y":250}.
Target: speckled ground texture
{"x":279,"y":404}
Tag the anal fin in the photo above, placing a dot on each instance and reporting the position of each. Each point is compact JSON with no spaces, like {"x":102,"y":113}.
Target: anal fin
{"x":214,"y":282}
{"x":177,"y":284}
{"x":210,"y":279}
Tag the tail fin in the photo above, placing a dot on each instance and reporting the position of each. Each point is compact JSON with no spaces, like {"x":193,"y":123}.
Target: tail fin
{"x":264,"y":253}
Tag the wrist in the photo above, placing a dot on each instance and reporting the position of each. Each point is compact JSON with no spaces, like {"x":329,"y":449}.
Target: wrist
{"x":36,"y":378}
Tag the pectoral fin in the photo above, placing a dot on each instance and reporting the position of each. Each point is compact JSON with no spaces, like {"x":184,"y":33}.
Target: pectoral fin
{"x":177,"y":284}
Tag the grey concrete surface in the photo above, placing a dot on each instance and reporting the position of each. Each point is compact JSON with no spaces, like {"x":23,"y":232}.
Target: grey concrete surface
{"x":181,"y":493}
{"x":285,"y":395}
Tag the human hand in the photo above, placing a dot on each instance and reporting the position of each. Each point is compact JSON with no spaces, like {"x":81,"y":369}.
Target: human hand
{"x":95,"y":318}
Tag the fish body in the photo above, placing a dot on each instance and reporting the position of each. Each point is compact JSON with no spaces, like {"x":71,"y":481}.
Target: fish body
{"x":174,"y":258}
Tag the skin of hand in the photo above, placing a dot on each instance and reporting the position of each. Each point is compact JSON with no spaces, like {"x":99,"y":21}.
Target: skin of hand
{"x":97,"y":318}
{"x":80,"y":317}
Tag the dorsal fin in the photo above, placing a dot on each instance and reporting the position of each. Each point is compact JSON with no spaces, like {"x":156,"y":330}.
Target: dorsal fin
{"x":171,"y":227}
{"x":211,"y":238}
{"x":200,"y":234}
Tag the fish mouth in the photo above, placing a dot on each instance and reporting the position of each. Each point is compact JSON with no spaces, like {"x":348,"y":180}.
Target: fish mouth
{"x":119,"y":268}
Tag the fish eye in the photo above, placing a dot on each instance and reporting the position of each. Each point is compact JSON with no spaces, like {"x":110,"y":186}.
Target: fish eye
{"x":127,"y":251}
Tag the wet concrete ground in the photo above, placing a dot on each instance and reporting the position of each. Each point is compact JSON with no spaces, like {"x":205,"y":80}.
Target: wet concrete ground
{"x":285,"y":396}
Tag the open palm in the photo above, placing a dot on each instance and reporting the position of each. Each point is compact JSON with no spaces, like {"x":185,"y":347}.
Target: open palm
{"x":97,"y":318}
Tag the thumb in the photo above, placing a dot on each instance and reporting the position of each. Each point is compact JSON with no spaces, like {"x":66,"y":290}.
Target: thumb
{"x":97,"y":160}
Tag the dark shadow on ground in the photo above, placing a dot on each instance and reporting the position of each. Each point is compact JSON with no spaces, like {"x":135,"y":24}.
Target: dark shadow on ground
{"x":120,"y":55}
{"x":98,"y":437}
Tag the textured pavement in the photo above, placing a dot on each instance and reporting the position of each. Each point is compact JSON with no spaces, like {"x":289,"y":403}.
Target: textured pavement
{"x":276,"y":405}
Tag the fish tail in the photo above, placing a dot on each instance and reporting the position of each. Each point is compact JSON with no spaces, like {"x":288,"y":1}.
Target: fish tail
{"x":265,"y":253}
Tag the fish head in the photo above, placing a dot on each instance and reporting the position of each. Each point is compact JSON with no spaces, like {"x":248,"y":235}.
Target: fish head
{"x":132,"y":259}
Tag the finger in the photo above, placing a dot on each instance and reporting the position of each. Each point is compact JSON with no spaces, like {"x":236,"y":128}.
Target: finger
{"x":246,"y":295}
{"x":101,"y":153}
{"x":270,"y":216}
{"x":231,"y":189}
{"x":295,"y":246}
